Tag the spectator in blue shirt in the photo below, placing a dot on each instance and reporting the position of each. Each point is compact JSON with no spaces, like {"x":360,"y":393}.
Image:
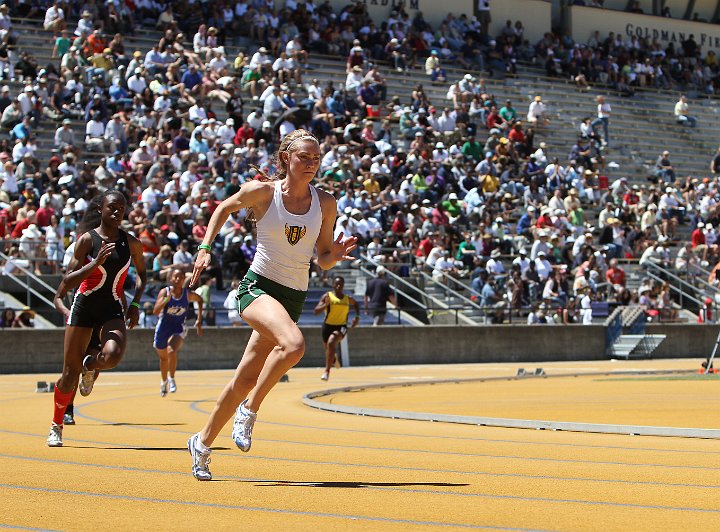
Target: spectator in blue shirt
{"x":181,"y":143}
{"x":21,"y":130}
{"x":191,"y":78}
{"x":526,"y":222}
{"x":113,"y":163}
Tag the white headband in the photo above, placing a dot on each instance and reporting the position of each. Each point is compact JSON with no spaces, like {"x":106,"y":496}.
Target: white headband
{"x":304,"y":137}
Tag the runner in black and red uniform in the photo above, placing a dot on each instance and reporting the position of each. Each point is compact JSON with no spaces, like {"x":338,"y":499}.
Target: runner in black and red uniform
{"x":98,"y":269}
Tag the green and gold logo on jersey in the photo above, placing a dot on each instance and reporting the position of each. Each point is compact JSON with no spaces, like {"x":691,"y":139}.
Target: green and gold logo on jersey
{"x":294,"y":233}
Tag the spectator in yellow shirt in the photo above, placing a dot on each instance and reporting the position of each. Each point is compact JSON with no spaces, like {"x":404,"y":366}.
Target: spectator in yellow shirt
{"x":371,"y":185}
{"x":489,"y":183}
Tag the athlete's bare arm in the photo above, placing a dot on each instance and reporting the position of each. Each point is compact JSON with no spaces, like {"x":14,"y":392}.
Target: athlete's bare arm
{"x":195,"y":298}
{"x":59,"y":299}
{"x":322,"y":304}
{"x":255,"y":195}
{"x":77,"y":271}
{"x":331,"y":251}
{"x":356,"y":306}
{"x":162,"y":299}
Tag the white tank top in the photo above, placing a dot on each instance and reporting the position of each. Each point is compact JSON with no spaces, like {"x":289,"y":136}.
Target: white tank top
{"x":286,"y":241}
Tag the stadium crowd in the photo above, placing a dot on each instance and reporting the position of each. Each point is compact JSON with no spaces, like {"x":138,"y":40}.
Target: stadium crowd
{"x":456,"y":188}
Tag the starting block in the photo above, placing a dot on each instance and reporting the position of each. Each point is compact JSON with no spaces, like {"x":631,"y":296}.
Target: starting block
{"x":285,"y":378}
{"x":539,"y":372}
{"x":44,"y":387}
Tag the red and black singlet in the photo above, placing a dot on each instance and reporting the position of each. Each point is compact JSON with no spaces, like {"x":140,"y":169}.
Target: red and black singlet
{"x":99,"y":297}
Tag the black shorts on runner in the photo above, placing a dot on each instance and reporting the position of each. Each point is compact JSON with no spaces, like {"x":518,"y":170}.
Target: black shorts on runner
{"x":327,"y":330}
{"x":91,"y":315}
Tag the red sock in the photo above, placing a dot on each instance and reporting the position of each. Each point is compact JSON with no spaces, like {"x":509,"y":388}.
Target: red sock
{"x":61,"y":402}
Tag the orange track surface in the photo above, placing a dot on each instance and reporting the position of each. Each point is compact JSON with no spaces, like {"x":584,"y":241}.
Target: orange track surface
{"x":124,"y":466}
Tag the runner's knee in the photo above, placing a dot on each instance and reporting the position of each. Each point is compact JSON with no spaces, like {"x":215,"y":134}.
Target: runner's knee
{"x":293,"y":347}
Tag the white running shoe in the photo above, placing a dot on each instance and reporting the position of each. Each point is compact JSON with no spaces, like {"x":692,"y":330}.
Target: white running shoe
{"x":172,"y":387}
{"x":55,"y":437}
{"x":243,"y":426}
{"x":201,"y":460}
{"x":163,"y":388}
{"x":325,"y":376}
{"x":87,"y":379}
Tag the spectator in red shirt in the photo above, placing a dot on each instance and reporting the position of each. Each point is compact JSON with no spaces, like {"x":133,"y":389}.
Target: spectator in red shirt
{"x":43,"y":215}
{"x":149,"y":242}
{"x":615,"y":275}
{"x":516,"y":133}
{"x":399,"y":226}
{"x":23,"y":224}
{"x":199,"y":229}
{"x":425,"y":245}
{"x":439,"y":216}
{"x":697,"y":237}
{"x":244,"y":133}
{"x":494,"y":120}
{"x":544,"y":220}
{"x":95,"y":44}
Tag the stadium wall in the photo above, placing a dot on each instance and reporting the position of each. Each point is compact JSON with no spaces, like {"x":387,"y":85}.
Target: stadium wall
{"x":534,"y":14}
{"x":40,"y":351}
{"x":583,"y":21}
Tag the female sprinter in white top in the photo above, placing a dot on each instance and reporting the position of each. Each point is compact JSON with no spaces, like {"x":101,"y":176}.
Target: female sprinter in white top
{"x":292,"y":218}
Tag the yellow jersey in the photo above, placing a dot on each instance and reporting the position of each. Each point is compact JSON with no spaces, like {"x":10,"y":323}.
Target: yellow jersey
{"x":336,"y":313}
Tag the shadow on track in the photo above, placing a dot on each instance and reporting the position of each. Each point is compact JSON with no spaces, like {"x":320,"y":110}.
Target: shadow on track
{"x":139,"y":448}
{"x":346,"y":485}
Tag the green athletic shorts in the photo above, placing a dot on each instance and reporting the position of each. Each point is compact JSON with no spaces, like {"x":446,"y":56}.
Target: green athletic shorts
{"x":253,"y":286}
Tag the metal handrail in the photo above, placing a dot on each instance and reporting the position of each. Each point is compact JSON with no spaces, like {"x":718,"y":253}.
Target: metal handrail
{"x":663,"y":271}
{"x":450,"y":291}
{"x":30,"y":290}
{"x":29,"y":275}
{"x":682,"y":294}
{"x":469,"y":288}
{"x":395,"y":278}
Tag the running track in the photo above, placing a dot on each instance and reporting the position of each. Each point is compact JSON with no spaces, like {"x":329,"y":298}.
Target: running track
{"x":125,"y":466}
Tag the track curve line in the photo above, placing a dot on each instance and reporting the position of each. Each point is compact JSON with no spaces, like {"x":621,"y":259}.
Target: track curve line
{"x":633,"y":430}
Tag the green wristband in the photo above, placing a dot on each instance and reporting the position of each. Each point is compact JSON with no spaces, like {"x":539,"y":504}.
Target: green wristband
{"x":205,"y":247}
{"x":135,"y":304}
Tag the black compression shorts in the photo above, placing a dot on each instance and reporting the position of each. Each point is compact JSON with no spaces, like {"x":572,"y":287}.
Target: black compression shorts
{"x":327,"y":330}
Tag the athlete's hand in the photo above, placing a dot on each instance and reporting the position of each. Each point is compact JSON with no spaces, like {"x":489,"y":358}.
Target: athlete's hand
{"x":342,"y":247}
{"x":104,"y":252}
{"x":132,"y":316}
{"x":198,"y":326}
{"x":201,"y":262}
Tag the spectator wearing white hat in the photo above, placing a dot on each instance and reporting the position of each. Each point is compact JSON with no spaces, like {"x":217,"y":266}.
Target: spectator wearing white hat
{"x":64,"y":135}
{"x":31,"y":246}
{"x":543,"y":266}
{"x":136,"y":83}
{"x":440,"y":153}
{"x":226,"y":132}
{"x":536,"y":112}
{"x":141,"y":158}
{"x":540,"y":245}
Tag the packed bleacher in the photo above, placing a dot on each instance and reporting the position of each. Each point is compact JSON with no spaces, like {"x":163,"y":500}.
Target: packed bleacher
{"x":451,"y":179}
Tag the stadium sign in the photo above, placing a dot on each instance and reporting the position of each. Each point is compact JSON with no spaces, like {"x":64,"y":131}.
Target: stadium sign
{"x":584,"y":21}
{"x":667,"y":36}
